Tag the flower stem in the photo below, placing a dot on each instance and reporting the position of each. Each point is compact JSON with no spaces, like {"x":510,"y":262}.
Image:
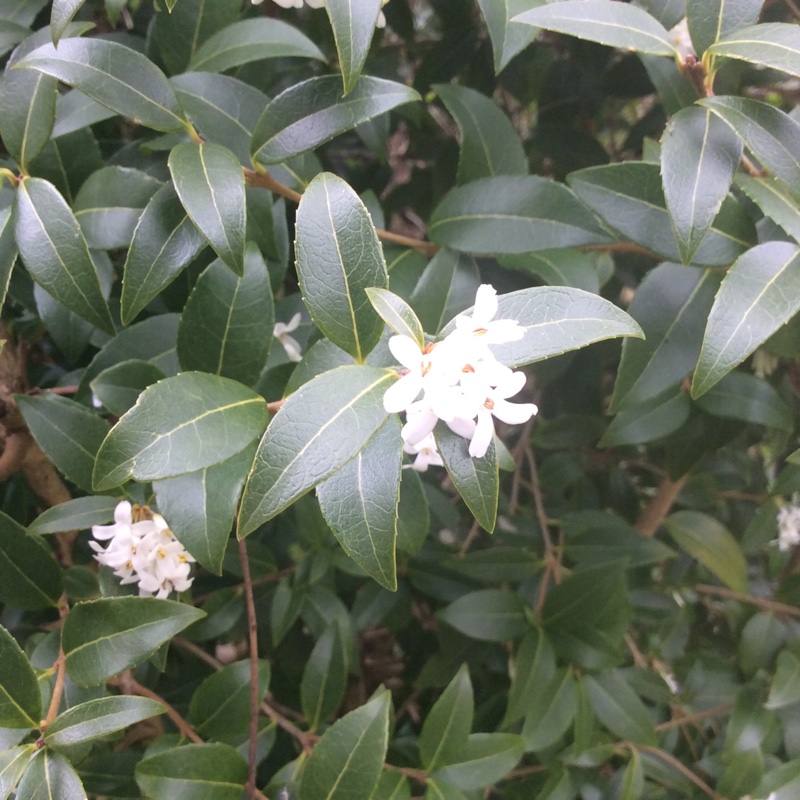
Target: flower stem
{"x":252,"y":630}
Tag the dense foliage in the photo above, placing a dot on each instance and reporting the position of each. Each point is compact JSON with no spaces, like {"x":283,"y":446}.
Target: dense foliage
{"x":246,"y":258}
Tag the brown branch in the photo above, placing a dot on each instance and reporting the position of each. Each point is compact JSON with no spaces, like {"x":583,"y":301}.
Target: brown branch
{"x":60,"y":666}
{"x":684,"y":770}
{"x":275,"y":406}
{"x":763,"y":603}
{"x":678,"y":721}
{"x":621,"y":247}
{"x":252,"y":632}
{"x":16,"y":445}
{"x":653,"y":514}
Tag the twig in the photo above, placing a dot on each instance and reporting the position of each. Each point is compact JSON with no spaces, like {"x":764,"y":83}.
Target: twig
{"x":653,"y":515}
{"x":761,"y":602}
{"x":470,"y":538}
{"x":621,"y":247}
{"x":518,"y":453}
{"x":60,"y":666}
{"x":252,"y":631}
{"x":673,"y":762}
{"x":275,"y":406}
{"x":678,"y":721}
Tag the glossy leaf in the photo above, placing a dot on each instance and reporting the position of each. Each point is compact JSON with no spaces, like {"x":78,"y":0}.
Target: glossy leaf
{"x":69,"y":332}
{"x":448,"y":724}
{"x":20,"y":701}
{"x":699,"y":155}
{"x":213,"y":771}
{"x":127,"y":82}
{"x":8,"y":250}
{"x":360,"y":503}
{"x":227,"y":323}
{"x":209,"y":181}
{"x":55,"y":252}
{"x":310,"y":113}
{"x":785,"y":689}
{"x":648,"y":420}
{"x":23,"y":12}
{"x":179,"y":425}
{"x":489,"y":144}
{"x":485,"y":759}
{"x":104,"y":637}
{"x":164,"y":242}
{"x":75,"y":111}
{"x":534,"y":666}
{"x":353,"y":23}
{"x":508,"y":38}
{"x":774,"y":200}
{"x":319,"y":428}
{"x":396,"y":313}
{"x":393,"y":786}
{"x":96,"y":718}
{"x":252,"y":40}
{"x":324,"y":677}
{"x":13,"y":763}
{"x":338,"y":258}
{"x":200,"y":506}
{"x":630,"y":198}
{"x":30,"y":578}
{"x":619,"y":708}
{"x":348,"y":759}
{"x":118,"y":387}
{"x":48,"y":776}
{"x":509,"y":214}
{"x":489,"y":615}
{"x":550,"y":711}
{"x":707,"y":540}
{"x":75,"y":515}
{"x":69,"y":434}
{"x":605,"y":21}
{"x":760,"y":292}
{"x":565,"y":267}
{"x":710,"y":22}
{"x":770,"y":44}
{"x":747,"y":398}
{"x":477,"y":480}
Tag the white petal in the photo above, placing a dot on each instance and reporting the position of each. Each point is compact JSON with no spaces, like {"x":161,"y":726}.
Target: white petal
{"x":482,"y":438}
{"x":418,"y":426}
{"x":513,"y":384}
{"x":122,"y":513}
{"x":513,"y":413}
{"x":485,"y":304}
{"x":503,"y":330}
{"x":294,"y":352}
{"x":399,"y":396}
{"x":381,"y":23}
{"x":463,"y":427}
{"x":406,"y":351}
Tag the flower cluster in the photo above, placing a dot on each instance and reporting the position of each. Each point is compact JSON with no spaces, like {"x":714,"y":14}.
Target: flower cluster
{"x":788,"y":527}
{"x":461,"y":382}
{"x":319,"y":4}
{"x":143,"y":551}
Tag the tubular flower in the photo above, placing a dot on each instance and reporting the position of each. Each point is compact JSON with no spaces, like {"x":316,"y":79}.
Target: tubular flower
{"x":319,"y":4}
{"x":788,"y":527}
{"x":281,"y":331}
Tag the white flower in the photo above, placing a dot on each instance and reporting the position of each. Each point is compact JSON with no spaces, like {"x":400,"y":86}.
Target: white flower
{"x":481,"y":324}
{"x":788,"y":527}
{"x":281,"y":331}
{"x":318,"y":4}
{"x":426,"y":452}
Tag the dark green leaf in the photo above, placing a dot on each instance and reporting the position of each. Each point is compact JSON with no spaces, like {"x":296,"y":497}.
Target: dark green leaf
{"x":75,"y":110}
{"x":557,"y":268}
{"x":61,"y":15}
{"x":11,"y":33}
{"x":179,"y":425}
{"x":70,"y":333}
{"x":353,"y":23}
{"x":785,"y":689}
{"x":164,"y":242}
{"x":771,"y":44}
{"x":413,"y":515}
{"x":710,"y":542}
{"x":489,"y":615}
{"x":209,"y":181}
{"x":13,"y":763}
{"x":485,"y":759}
{"x":50,"y":776}
{"x":320,"y":427}
{"x":8,"y":251}
{"x":534,"y":667}
{"x":748,"y":398}
{"x":489,"y":144}
{"x":20,"y":700}
{"x":55,"y":252}
{"x":711,"y":21}
{"x":23,"y":12}
{"x":775,"y":201}
{"x":104,"y":637}
{"x":396,"y":313}
{"x":360,"y":503}
{"x":633,"y":778}
{"x":508,"y":38}
{"x":448,"y":724}
{"x":649,"y":420}
{"x":550,"y":709}
{"x":619,"y":708}
{"x":324,"y":677}
{"x":508,"y":214}
{"x":338,"y":257}
{"x":75,"y":515}
{"x":347,"y":761}
{"x":310,"y":113}
{"x":760,"y":292}
{"x":392,"y":786}
{"x":118,"y":387}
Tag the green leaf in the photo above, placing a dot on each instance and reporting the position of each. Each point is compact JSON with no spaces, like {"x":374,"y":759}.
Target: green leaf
{"x":512,"y":214}
{"x":557,"y":268}
{"x":436,"y":790}
{"x":745,"y":397}
{"x":534,"y":666}
{"x":96,"y":718}
{"x":220,"y":706}
{"x":227,"y":323}
{"x":774,"y":200}
{"x":771,"y":44}
{"x":118,"y":387}
{"x":109,"y":204}
{"x":224,"y":110}
{"x":556,"y":320}
{"x":448,"y":724}
{"x":477,"y":480}
{"x":193,"y":772}
{"x":75,"y":515}
{"x":446,"y":288}
{"x":550,"y":710}
{"x":164,"y":242}
{"x":201,"y":506}
{"x":55,"y":252}
{"x":671,"y":304}
{"x":61,"y":15}
{"x":649,"y":420}
{"x":711,"y":21}
{"x":674,"y":89}
{"x":102,"y":638}
{"x":69,"y":332}
{"x":769,"y":133}
{"x":632,"y":786}
{"x":630,"y":198}
{"x":489,"y":144}
{"x":210,"y":183}
{"x":760,"y":292}
{"x":252,"y":40}
{"x":68,"y":432}
{"x":13,"y":763}
{"x":396,"y":313}
{"x":324,"y":677}
{"x":605,"y":21}
{"x":115,"y":76}
{"x":489,"y":615}
{"x":413,"y":514}
{"x":30,"y":578}
{"x":319,"y":428}
{"x":709,"y":541}
{"x":353,"y":23}
{"x":20,"y":700}
{"x":310,"y":113}
{"x":11,"y":33}
{"x":179,"y":425}
{"x":785,"y":689}
{"x":360,"y":503}
{"x":485,"y":759}
{"x":699,"y":155}
{"x":8,"y":251}
{"x":392,"y":786}
{"x":75,"y":111}
{"x":508,"y":38}
{"x":23,"y":12}
{"x":48,"y":776}
{"x":338,"y":257}
{"x":348,"y":760}
{"x":619,"y":708}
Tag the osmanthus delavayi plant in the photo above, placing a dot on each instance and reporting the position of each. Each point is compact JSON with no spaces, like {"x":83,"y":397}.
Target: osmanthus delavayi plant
{"x":272,"y":274}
